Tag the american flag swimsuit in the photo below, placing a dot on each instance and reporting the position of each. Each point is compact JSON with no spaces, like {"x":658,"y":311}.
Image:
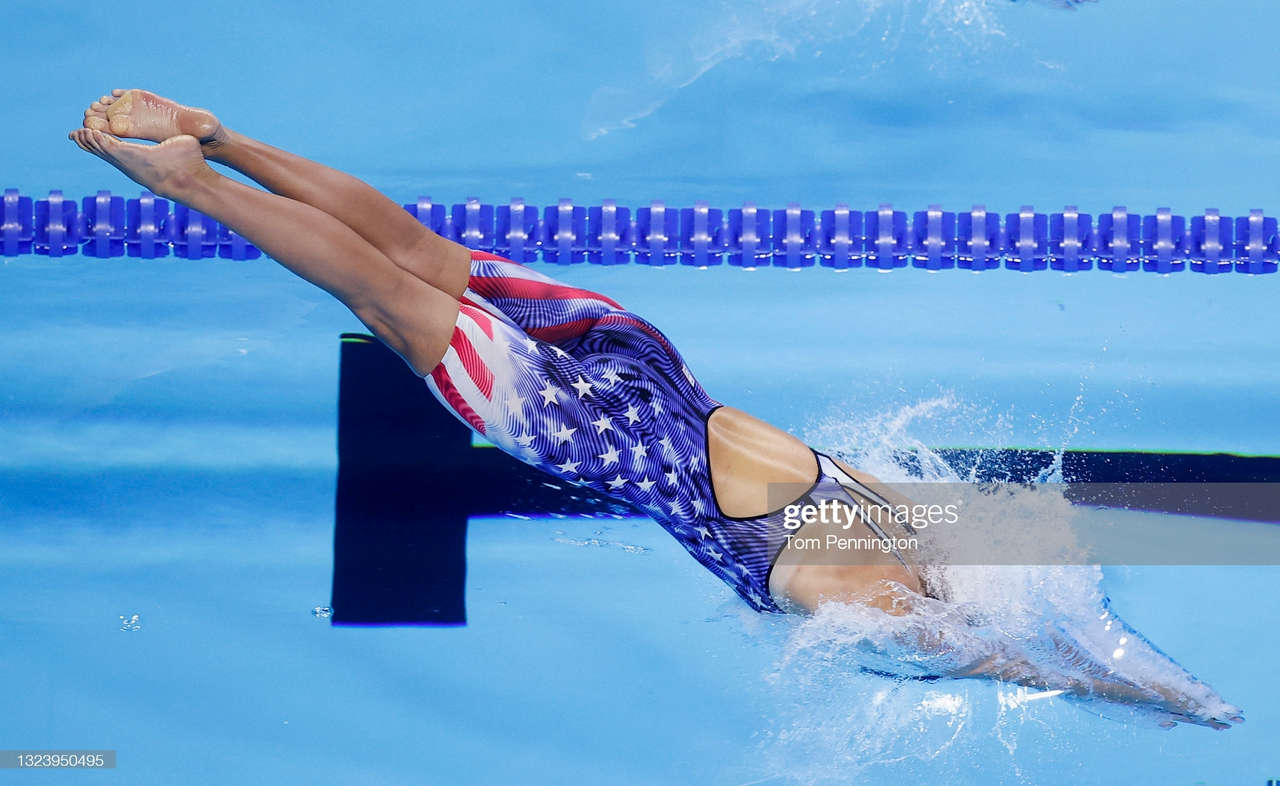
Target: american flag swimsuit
{"x":572,"y":383}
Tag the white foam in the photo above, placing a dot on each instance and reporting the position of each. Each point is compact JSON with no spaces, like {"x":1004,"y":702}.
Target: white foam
{"x":1051,"y":624}
{"x":854,"y":34}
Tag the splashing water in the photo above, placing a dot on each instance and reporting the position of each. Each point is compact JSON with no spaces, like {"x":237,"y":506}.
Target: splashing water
{"x":597,"y":542}
{"x":1047,"y":630}
{"x":858,"y":37}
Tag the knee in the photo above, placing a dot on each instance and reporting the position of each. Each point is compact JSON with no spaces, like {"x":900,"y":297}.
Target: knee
{"x":434,"y":260}
{"x":412,"y":318}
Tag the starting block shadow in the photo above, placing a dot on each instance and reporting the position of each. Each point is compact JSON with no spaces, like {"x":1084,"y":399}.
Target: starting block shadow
{"x":409,"y":478}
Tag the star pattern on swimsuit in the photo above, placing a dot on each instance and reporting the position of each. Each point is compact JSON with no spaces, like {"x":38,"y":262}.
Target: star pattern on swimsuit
{"x":598,"y":417}
{"x":610,"y":456}
{"x":602,"y":424}
{"x":548,"y":394}
{"x":582,"y":386}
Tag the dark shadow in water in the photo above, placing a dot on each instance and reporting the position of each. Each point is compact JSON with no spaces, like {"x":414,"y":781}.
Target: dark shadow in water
{"x":409,"y":478}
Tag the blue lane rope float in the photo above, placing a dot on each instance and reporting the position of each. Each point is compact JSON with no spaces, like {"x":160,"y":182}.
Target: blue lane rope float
{"x":149,"y":227}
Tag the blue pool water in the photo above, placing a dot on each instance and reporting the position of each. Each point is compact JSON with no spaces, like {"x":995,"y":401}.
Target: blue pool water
{"x":168,"y":428}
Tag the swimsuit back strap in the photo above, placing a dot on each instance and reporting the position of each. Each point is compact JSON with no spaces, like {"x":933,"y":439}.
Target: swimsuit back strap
{"x":850,"y":486}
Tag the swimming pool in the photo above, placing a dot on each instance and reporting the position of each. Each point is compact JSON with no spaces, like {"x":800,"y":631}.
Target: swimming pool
{"x":169,"y":426}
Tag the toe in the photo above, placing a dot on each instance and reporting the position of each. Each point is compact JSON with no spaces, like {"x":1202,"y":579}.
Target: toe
{"x":95,"y":119}
{"x":110,"y":143}
{"x":96,"y":140}
{"x":117,"y":92}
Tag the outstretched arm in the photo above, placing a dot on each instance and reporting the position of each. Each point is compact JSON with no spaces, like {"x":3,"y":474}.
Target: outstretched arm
{"x":941,"y":640}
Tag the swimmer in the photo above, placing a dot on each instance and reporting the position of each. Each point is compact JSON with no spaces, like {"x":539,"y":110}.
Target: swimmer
{"x":573,"y":383}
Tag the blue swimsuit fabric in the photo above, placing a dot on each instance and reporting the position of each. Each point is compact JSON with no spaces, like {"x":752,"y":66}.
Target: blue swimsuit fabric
{"x":570,"y":382}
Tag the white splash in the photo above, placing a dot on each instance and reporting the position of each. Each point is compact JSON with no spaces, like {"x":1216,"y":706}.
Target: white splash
{"x":849,"y":697}
{"x":858,"y":35}
{"x":630,"y":548}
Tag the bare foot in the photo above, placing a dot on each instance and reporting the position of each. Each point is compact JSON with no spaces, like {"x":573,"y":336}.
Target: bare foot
{"x":140,"y":114}
{"x":170,"y":168}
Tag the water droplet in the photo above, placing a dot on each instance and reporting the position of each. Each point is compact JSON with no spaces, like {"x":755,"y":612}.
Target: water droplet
{"x":322,"y":612}
{"x":130,"y":623}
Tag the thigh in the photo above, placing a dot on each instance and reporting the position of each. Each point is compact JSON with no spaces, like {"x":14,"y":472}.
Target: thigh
{"x":435,"y":260}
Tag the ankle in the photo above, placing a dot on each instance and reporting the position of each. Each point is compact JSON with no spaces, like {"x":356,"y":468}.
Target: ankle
{"x":184,"y":184}
{"x":217,"y":145}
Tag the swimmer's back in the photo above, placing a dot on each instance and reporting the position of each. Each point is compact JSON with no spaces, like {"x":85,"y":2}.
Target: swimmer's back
{"x":747,"y":455}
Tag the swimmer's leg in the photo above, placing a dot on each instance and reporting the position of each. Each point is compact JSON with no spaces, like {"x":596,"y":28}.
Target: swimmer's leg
{"x":389,"y":228}
{"x":413,"y":318}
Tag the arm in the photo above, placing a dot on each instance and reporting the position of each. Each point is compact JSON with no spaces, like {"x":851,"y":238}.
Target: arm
{"x":921,"y":636}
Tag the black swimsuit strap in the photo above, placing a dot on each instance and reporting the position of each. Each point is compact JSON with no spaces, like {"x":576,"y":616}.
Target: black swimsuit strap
{"x":852,"y":486}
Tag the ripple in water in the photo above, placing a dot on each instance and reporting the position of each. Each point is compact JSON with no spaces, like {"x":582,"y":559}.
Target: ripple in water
{"x":855,"y":36}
